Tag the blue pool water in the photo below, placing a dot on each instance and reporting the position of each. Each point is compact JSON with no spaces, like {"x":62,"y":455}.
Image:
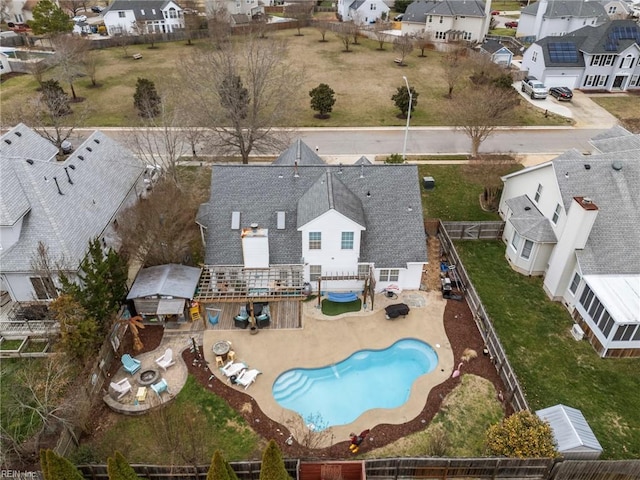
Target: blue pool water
{"x":338,"y":394}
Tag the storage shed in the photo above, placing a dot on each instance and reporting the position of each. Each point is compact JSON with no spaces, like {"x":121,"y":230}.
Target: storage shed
{"x":163,"y":294}
{"x":574,"y":438}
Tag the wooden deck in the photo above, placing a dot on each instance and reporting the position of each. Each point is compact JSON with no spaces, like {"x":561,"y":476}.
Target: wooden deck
{"x":284,"y":314}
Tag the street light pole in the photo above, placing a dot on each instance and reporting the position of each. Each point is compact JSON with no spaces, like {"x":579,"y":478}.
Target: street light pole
{"x":406,"y":130}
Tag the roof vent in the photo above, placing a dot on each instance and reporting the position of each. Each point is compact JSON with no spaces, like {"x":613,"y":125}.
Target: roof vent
{"x":586,"y":200}
{"x":80,"y":157}
{"x":617,"y":166}
{"x":96,"y":140}
{"x":19,"y":134}
{"x":235,"y":220}
{"x":72,"y":167}
{"x":7,"y":141}
{"x":526,"y":209}
{"x":587,"y":166}
{"x":254,"y":227}
{"x":89,"y":149}
{"x":29,"y":161}
{"x":368,"y":194}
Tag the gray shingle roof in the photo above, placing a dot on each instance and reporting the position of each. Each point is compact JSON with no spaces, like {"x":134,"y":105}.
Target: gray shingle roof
{"x":138,"y":6}
{"x":616,"y":139}
{"x":593,"y":40}
{"x":570,"y":429}
{"x":576,"y":41}
{"x":529,"y":222}
{"x":66,"y":223}
{"x":301,"y":152}
{"x":616,"y":131}
{"x":568,"y":8}
{"x":363,"y":161}
{"x":14,"y":203}
{"x":389,"y":194}
{"x":492,"y":46}
{"x":165,"y":280}
{"x":418,"y":10}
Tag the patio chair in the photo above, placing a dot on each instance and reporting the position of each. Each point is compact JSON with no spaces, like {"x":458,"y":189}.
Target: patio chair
{"x":247,"y":377}
{"x":231,"y":368}
{"x":130,"y":364}
{"x":121,"y":388}
{"x":264,"y":319}
{"x":242,"y":319}
{"x":160,"y":387}
{"x":166,"y":360}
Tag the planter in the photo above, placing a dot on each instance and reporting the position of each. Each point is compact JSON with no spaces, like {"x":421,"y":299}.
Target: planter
{"x":253,"y":330}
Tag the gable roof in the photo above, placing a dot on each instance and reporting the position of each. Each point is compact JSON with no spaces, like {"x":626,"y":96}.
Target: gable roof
{"x":389,"y":195}
{"x":165,"y":280}
{"x":363,"y":161}
{"x":493,"y":46}
{"x":301,"y":153}
{"x":570,"y":429}
{"x":138,"y":6}
{"x":567,"y":8}
{"x":529,"y":222}
{"x":418,"y":10}
{"x":92,"y":190}
{"x":562,"y":51}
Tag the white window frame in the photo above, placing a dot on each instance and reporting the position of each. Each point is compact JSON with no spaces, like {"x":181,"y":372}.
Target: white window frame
{"x":389,"y":275}
{"x":634,"y":82}
{"x":315,"y":240}
{"x":346,"y":241}
{"x":575,"y":283}
{"x":122,"y":14}
{"x":527,"y":248}
{"x":627,"y":62}
{"x":315,"y":271}
{"x":534,"y":57}
{"x":538,"y":194}
{"x":515,"y":241}
{"x":556,"y":214}
{"x":363,"y":269}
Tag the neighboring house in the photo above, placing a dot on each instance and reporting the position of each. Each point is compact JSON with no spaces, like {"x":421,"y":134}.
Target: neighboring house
{"x":448,"y":20}
{"x":62,"y":204}
{"x":80,"y":28}
{"x":131,"y":17}
{"x":270,"y":229}
{"x":5,"y":66}
{"x":497,"y":52}
{"x":546,"y":18}
{"x":606,"y":57}
{"x":163,"y":294}
{"x":236,"y":7}
{"x":576,"y":221}
{"x":362,"y":12}
{"x":21,"y":11}
{"x":618,"y":9}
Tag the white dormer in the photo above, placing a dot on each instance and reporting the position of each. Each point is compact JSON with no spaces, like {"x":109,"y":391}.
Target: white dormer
{"x":255,"y":247}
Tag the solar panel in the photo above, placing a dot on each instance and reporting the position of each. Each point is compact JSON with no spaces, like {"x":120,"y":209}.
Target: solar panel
{"x":624,"y":33}
{"x":563,"y":52}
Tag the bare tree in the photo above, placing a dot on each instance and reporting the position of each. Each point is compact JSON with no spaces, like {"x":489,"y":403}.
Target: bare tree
{"x":73,"y":6}
{"x":357,"y":21}
{"x":218,"y":24}
{"x":192,"y":23}
{"x":38,"y":68}
{"x":5,"y":10}
{"x":241,"y":92}
{"x":122,"y":39}
{"x":301,"y":12}
{"x":345,"y":34}
{"x":323,"y":27}
{"x":403,"y":46}
{"x":380,"y":31}
{"x":90,"y":64}
{"x":46,"y":269}
{"x":454,"y":68}
{"x":71,"y":52}
{"x":423,"y":41}
{"x":479,"y":109}
{"x":488,"y":170}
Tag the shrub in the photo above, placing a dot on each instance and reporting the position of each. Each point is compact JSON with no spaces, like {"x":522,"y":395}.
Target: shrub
{"x":522,"y":435}
{"x":394,"y":158}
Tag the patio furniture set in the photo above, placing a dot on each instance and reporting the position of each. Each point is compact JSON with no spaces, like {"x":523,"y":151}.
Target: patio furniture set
{"x":261,"y":314}
{"x":132,"y":366}
{"x":237,"y":373}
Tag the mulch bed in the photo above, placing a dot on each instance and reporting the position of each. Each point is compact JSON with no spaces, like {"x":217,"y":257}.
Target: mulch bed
{"x":462,"y":333}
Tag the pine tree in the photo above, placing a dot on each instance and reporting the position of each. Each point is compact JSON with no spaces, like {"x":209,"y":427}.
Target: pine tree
{"x":234,"y":97}
{"x":322,"y":100}
{"x":401,"y":100}
{"x":55,"y":467}
{"x":273,"y":464}
{"x":219,"y":469}
{"x":146,"y":98}
{"x":79,"y":331}
{"x":49,"y":19}
{"x":119,"y":469}
{"x":55,"y":98}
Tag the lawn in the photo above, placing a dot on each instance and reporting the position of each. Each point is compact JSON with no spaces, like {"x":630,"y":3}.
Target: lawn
{"x":338,"y":308}
{"x":363,"y":80}
{"x":624,"y":107}
{"x":551,"y":366}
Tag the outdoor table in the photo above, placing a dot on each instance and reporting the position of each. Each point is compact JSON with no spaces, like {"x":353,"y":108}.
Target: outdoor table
{"x":141,"y":394}
{"x":221,"y":349}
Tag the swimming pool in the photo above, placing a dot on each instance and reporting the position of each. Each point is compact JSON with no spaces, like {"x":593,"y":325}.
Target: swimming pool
{"x":338,"y":394}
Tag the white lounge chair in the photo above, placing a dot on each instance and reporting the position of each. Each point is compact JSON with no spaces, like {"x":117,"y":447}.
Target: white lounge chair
{"x":233,"y":368}
{"x":247,"y":377}
{"x":166,"y":360}
{"x":121,"y":388}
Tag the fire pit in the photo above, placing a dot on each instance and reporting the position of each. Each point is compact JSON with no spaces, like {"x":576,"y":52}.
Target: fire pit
{"x":147,"y":377}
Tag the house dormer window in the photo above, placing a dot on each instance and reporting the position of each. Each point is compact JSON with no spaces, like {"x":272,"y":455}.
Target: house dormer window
{"x":173,"y":13}
{"x":534,"y":56}
{"x":315,"y":240}
{"x":538,"y":193}
{"x":627,"y":62}
{"x":347,"y":241}
{"x":142,"y":11}
{"x":556,"y":214}
{"x":612,"y":9}
{"x":441,"y":19}
{"x":153,"y":11}
{"x":121,"y":14}
{"x":430,"y":19}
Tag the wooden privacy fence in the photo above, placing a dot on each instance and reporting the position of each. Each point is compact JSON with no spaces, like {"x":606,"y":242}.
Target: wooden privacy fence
{"x":474,"y":230}
{"x":514,"y":395}
{"x":596,"y":470}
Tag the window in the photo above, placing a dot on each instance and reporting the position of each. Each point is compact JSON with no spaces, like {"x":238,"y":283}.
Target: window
{"x":624,"y":332}
{"x":466,"y":36}
{"x":315,"y":240}
{"x":526,"y":250}
{"x":538,"y":193}
{"x":596,"y":80}
{"x":141,"y":11}
{"x":389,"y":275}
{"x":44,"y":288}
{"x":173,"y":13}
{"x":515,"y":241}
{"x":612,"y":9}
{"x":603,"y":60}
{"x":627,"y":62}
{"x":440,"y":19}
{"x":153,"y":11}
{"x":363,"y":270}
{"x":534,"y":57}
{"x":347,"y":241}
{"x":430,"y":19}
{"x":314,"y":272}
{"x":441,"y":35}
{"x":634,"y":81}
{"x":121,"y":14}
{"x":573,"y":288}
{"x":556,"y":214}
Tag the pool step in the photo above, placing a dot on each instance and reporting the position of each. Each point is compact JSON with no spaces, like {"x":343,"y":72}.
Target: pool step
{"x":293,"y":387}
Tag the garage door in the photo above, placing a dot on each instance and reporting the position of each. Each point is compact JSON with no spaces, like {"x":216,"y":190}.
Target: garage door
{"x":569,"y":81}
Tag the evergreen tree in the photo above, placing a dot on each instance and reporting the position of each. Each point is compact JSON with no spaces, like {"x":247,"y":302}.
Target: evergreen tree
{"x":49,"y":19}
{"x":79,"y":331}
{"x":401,"y":99}
{"x":55,"y":99}
{"x":322,"y":100}
{"x":102,"y":286}
{"x":119,"y":469}
{"x":273,"y":464}
{"x":234,"y":96}
{"x":220,"y":468}
{"x":55,"y":467}
{"x":146,"y":98}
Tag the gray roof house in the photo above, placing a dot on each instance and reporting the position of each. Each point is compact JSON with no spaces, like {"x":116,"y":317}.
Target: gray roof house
{"x":576,"y":221}
{"x":573,"y":436}
{"x":497,"y":52}
{"x":448,"y":20}
{"x":303,"y":219}
{"x":546,"y":18}
{"x":61,"y":204}
{"x":135,"y":17}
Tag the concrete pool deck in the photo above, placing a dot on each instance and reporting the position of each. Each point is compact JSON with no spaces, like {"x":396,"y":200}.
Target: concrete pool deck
{"x":325,"y":340}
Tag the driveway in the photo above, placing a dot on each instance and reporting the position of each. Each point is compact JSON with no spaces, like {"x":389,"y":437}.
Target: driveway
{"x":581,"y":109}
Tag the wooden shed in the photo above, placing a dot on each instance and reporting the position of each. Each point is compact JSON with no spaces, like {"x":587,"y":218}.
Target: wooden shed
{"x":574,"y":438}
{"x":163,"y":294}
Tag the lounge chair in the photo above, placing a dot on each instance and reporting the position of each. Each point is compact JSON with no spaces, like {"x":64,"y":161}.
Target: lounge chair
{"x":160,"y":387}
{"x":264,"y":319}
{"x":166,"y":360}
{"x":121,"y":388}
{"x":242,"y":319}
{"x":247,"y":377}
{"x":130,"y":364}
{"x":233,"y":368}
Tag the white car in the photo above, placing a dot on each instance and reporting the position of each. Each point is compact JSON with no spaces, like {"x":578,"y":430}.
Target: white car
{"x":80,"y":18}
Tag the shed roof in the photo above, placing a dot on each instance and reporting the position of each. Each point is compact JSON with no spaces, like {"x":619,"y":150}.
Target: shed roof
{"x":172,"y":280}
{"x":570,"y":429}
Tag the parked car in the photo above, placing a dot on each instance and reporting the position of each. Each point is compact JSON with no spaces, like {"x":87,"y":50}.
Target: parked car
{"x":534,"y":87}
{"x":495,"y":12}
{"x":561,"y":93}
{"x":80,"y":18}
{"x":512,"y":24}
{"x":97,"y":9}
{"x":399,"y":17}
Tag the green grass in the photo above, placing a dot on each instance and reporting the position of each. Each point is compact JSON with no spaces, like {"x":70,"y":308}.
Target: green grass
{"x":551,"y":366}
{"x":338,"y":308}
{"x":505,"y":32}
{"x":624,"y":107}
{"x":10,"y":344}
